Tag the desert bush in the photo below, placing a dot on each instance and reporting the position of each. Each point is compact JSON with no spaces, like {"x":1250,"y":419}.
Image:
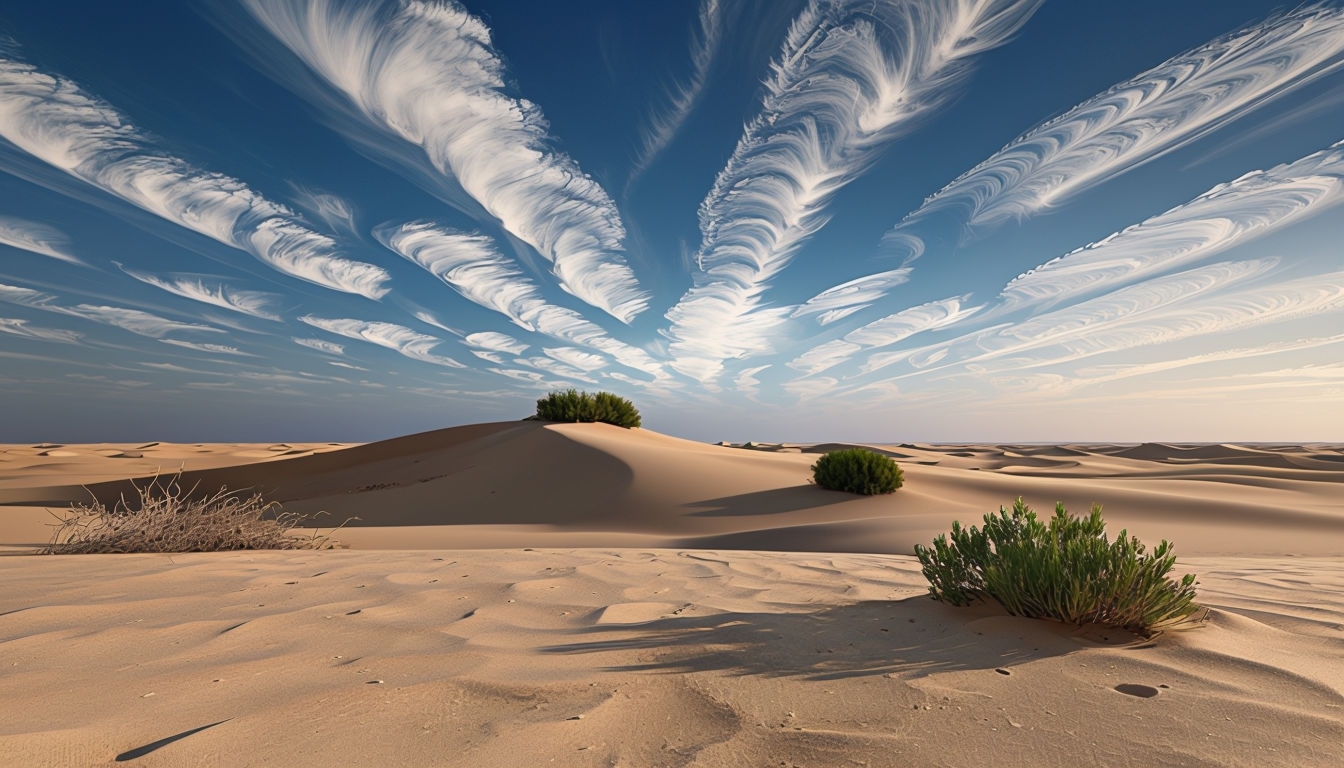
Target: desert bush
{"x":857,"y":470}
{"x":572,"y":405}
{"x":165,"y":518}
{"x":1065,"y":570}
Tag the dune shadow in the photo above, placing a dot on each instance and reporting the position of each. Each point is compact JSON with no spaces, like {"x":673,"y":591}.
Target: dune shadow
{"x":913,"y":638}
{"x":769,"y":502}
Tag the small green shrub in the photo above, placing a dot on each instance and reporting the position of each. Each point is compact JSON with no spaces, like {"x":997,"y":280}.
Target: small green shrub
{"x":1065,"y":570}
{"x":167,"y":519}
{"x":572,"y":405}
{"x":857,"y":470}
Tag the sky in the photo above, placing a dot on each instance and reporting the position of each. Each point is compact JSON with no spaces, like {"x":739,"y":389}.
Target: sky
{"x":784,"y":220}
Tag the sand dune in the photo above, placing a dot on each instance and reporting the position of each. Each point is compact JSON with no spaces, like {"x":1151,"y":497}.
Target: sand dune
{"x":582,"y":595}
{"x":513,"y":484}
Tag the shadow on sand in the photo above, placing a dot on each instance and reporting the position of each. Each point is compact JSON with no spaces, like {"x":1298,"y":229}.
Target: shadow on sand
{"x":911,"y":638}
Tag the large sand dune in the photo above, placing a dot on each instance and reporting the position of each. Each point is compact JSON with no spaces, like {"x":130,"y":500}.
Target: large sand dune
{"x":531,"y":484}
{"x":582,"y":595}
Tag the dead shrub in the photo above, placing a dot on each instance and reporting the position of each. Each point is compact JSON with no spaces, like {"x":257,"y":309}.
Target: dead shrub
{"x":166,"y":518}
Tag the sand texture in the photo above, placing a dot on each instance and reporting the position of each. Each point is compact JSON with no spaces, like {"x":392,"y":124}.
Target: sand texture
{"x":518,"y":594}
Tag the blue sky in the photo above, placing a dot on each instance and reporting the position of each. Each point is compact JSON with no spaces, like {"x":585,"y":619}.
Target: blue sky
{"x":998,"y":220}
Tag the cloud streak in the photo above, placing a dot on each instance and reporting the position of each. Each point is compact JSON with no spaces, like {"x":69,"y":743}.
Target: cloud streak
{"x":884,"y":332}
{"x":21,"y":328}
{"x":1230,"y":214}
{"x":36,"y":238}
{"x":55,"y":121}
{"x":428,"y":74}
{"x":258,"y":304}
{"x":663,"y":123}
{"x":851,"y":77}
{"x":399,"y":338}
{"x":845,"y":299}
{"x":1162,"y":109}
{"x":471,"y":266}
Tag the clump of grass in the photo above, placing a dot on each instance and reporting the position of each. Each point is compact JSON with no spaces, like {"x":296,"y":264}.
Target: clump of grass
{"x":1065,"y":570}
{"x":858,"y":470}
{"x":166,"y":518}
{"x":573,"y":406}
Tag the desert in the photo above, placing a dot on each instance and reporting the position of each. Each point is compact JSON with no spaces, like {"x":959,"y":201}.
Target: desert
{"x":637,"y":599}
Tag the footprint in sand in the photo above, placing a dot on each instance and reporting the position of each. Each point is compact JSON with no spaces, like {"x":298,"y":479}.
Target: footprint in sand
{"x":1136,"y":689}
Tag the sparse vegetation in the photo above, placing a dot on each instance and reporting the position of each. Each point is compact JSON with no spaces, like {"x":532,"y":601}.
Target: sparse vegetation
{"x":572,"y":405}
{"x":1065,"y":570}
{"x":165,"y":518}
{"x":857,"y":470}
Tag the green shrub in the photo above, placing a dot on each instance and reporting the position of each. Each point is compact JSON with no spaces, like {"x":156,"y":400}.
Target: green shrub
{"x":857,"y":470}
{"x":1066,"y":570}
{"x":167,"y":519}
{"x":572,"y":405}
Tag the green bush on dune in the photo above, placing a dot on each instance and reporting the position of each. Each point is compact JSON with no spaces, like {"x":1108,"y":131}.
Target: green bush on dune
{"x":571,"y":405}
{"x":1064,"y":570}
{"x":166,"y":518}
{"x":857,"y":470}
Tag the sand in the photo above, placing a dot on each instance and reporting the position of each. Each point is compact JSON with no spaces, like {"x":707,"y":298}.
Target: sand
{"x":521,"y":594}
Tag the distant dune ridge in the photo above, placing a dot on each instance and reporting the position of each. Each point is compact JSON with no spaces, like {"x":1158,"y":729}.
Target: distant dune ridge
{"x":519,"y":593}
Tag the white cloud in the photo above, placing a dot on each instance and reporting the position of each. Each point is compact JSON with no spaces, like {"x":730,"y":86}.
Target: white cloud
{"x":847,"y":298}
{"x":134,"y":320}
{"x":555,"y":368}
{"x":884,"y":332}
{"x":809,"y":388}
{"x":1220,"y":298}
{"x":336,"y":212}
{"x":257,"y":304}
{"x":1170,"y":105}
{"x":1256,"y":204}
{"x":221,"y":349}
{"x":428,"y":74}
{"x":471,"y":266}
{"x":746,"y":381}
{"x":330,"y":347}
{"x":15,"y":294}
{"x":407,"y":342}
{"x":491,"y":341}
{"x":577,"y":358}
{"x":36,"y":238}
{"x":662,"y":125}
{"x":52,"y":119}
{"x":21,"y":328}
{"x":852,"y":76}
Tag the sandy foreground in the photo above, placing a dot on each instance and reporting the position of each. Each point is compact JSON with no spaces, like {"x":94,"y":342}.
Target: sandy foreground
{"x":520,"y":594}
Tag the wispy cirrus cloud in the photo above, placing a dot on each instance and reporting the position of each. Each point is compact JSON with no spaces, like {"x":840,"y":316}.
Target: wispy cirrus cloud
{"x":257,"y":304}
{"x":851,"y":77}
{"x":471,"y":266}
{"x":884,"y":332}
{"x":55,"y":121}
{"x":136,"y":321}
{"x":664,"y":122}
{"x":492,"y":346}
{"x":1219,"y":298}
{"x":36,"y":238}
{"x":428,"y":74}
{"x":1100,"y":374}
{"x":321,"y":345}
{"x":21,"y":328}
{"x":217,"y":349}
{"x":845,"y":299}
{"x":1230,"y":214}
{"x":1164,"y":108}
{"x":403,"y":340}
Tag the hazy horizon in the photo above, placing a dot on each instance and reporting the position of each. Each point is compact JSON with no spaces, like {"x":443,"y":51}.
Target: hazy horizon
{"x":972,"y":221}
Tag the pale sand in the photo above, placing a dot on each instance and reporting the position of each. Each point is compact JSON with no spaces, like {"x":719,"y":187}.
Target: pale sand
{"x":631,"y":635}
